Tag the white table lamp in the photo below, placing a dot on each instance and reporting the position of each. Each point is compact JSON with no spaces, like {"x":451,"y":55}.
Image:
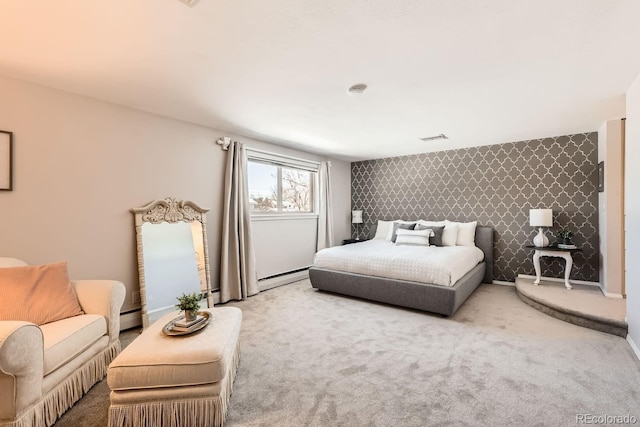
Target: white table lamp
{"x":540,"y":218}
{"x":356,"y":218}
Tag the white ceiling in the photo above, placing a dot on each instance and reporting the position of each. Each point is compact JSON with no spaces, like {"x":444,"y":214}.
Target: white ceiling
{"x":479,"y":71}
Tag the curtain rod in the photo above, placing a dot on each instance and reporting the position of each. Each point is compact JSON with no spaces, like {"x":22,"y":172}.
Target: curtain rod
{"x":284,"y":156}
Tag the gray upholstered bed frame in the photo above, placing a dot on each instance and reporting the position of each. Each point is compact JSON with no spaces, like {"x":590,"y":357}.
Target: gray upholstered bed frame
{"x":443,"y":300}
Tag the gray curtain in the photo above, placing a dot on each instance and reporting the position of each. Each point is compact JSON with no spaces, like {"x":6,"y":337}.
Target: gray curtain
{"x":238,"y":277}
{"x":325,"y":217}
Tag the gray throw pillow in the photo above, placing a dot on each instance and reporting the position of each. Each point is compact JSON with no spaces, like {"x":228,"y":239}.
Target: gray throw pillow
{"x":372,"y":231}
{"x":436,"y":239}
{"x":396,"y":226}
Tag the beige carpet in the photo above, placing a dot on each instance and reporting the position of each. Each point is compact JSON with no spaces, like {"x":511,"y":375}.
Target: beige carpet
{"x":316,"y":359}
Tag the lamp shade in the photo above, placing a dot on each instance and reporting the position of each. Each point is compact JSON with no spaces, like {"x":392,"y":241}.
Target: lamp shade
{"x":540,"y":217}
{"x":356,"y":217}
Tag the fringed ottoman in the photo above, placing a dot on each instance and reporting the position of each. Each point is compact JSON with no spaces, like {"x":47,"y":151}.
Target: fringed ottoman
{"x":161,"y":380}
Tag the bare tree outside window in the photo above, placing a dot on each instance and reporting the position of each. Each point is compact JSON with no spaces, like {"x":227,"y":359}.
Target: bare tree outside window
{"x":279,"y":189}
{"x":296,"y":190}
{"x":264,"y":204}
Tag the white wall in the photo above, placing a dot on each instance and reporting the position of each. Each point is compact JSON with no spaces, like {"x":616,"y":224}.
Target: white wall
{"x":632,"y":212}
{"x":82,"y":164}
{"x":611,"y":208}
{"x":284,"y":245}
{"x":341,"y":186}
{"x":602,"y":208}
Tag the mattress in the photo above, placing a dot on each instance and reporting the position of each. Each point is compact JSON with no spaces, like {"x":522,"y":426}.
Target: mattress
{"x":436,"y":265}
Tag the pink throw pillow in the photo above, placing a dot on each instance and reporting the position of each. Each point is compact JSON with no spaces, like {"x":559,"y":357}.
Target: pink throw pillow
{"x":37,"y":293}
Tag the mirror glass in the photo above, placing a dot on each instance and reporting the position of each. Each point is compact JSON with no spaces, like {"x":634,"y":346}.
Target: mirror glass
{"x":172,"y":255}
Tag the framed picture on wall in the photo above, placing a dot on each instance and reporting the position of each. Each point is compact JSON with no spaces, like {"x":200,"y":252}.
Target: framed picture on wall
{"x":601,"y":177}
{"x":6,"y":160}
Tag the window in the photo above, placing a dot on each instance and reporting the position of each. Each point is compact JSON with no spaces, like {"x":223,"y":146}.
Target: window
{"x":280,"y":185}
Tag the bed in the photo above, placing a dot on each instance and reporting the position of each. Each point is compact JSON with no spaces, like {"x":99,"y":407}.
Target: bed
{"x":395,"y":279}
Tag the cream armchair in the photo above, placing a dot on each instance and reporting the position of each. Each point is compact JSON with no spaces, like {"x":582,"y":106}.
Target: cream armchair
{"x":45,"y":369}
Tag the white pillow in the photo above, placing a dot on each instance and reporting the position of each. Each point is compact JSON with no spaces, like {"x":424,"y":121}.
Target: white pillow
{"x":385,"y":228}
{"x":450,"y":233}
{"x":390,"y":231}
{"x":413,"y":237}
{"x":466,"y":233}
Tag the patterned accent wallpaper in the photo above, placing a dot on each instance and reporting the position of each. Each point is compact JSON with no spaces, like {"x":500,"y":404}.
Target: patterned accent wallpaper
{"x":496,"y":185}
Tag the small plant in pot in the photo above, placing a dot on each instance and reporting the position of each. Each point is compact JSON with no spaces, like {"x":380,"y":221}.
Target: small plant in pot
{"x":190,"y":304}
{"x":564,"y":235}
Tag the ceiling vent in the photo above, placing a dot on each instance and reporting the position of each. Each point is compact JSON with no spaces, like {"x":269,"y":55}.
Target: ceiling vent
{"x":434,"y":138}
{"x":357,"y":89}
{"x":190,"y":3}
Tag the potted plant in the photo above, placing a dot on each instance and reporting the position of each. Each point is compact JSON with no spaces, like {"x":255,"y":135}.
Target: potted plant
{"x":565,"y":235}
{"x":190,"y":304}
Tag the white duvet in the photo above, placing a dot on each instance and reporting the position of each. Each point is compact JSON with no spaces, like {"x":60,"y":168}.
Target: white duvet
{"x":426,"y":264}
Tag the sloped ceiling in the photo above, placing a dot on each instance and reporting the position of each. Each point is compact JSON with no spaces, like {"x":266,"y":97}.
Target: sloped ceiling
{"x":479,"y":71}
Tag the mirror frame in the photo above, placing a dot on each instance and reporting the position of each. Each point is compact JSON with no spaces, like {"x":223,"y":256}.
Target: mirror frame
{"x":172,"y":211}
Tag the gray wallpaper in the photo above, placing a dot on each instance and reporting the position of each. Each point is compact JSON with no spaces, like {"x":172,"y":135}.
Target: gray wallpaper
{"x":496,"y":185}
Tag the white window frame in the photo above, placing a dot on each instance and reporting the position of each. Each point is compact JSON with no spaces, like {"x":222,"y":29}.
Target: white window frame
{"x":284,"y":161}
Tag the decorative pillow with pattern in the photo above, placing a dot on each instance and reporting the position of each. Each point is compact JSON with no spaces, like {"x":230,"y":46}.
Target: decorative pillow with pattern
{"x":400,"y":226}
{"x":398,"y":221}
{"x":413,"y":237}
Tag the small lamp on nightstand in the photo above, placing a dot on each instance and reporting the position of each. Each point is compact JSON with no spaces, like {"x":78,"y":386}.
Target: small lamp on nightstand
{"x":540,"y":218}
{"x":356,"y":218}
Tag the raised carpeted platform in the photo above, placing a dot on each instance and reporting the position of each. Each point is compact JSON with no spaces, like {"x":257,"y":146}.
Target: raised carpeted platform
{"x":583,"y":305}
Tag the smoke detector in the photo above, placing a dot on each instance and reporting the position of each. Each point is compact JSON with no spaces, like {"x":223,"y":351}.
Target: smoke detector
{"x":434,"y":138}
{"x":190,"y":3}
{"x":357,"y":89}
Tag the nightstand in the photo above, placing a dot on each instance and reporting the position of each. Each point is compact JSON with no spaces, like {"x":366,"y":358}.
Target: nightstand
{"x":349,"y":241}
{"x":553,"y":251}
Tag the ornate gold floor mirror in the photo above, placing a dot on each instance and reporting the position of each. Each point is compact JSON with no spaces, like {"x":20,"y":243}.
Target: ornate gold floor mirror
{"x":171,"y":237}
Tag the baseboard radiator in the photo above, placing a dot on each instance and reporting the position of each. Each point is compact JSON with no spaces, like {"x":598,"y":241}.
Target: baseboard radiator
{"x":130,"y":319}
{"x":283,"y":279}
{"x":133,"y":318}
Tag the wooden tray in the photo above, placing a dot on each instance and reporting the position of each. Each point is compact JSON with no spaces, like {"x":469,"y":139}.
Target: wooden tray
{"x":168,"y":328}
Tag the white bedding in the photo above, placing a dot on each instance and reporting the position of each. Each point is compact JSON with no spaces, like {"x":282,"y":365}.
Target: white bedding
{"x":426,"y":264}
